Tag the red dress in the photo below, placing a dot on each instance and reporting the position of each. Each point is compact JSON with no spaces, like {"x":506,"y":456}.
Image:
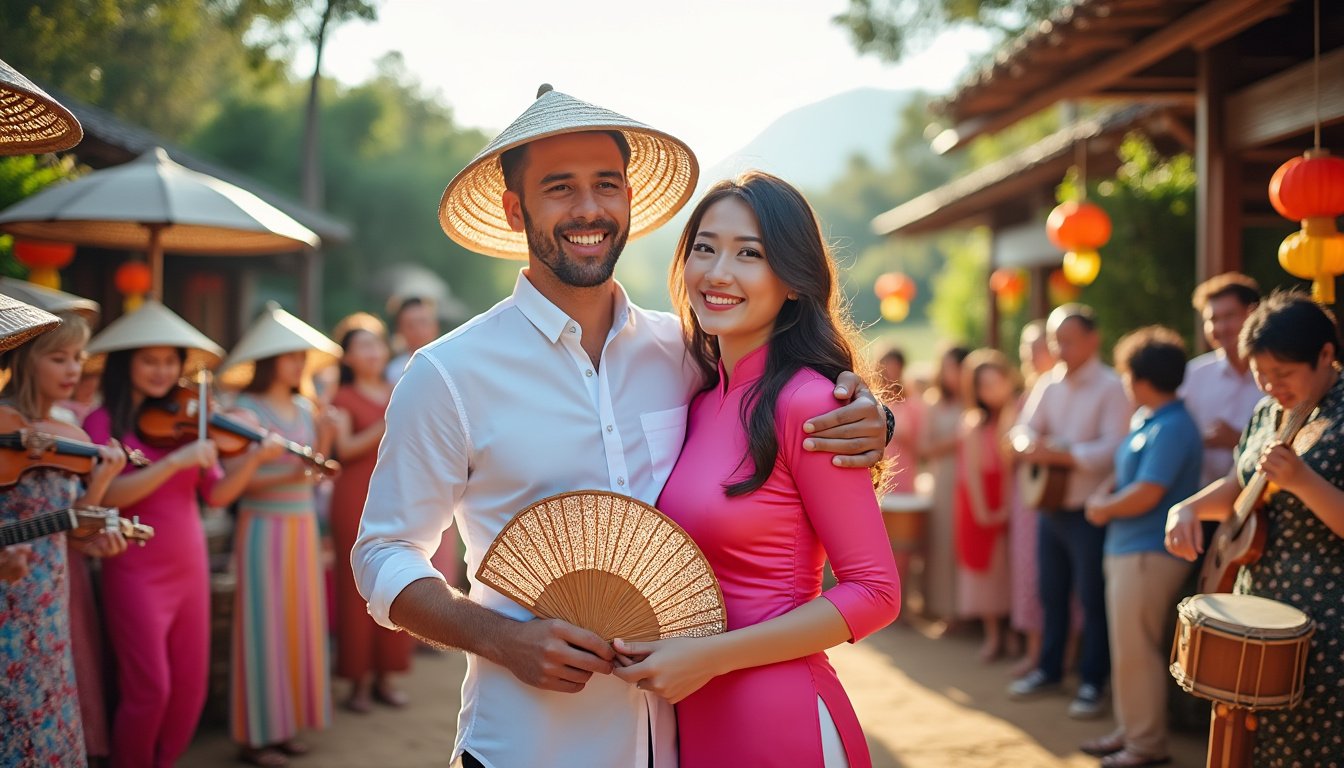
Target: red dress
{"x":975,"y":541}
{"x":362,"y":647}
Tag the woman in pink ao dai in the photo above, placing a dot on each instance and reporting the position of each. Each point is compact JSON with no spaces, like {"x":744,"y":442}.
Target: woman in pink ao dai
{"x":756,"y":289}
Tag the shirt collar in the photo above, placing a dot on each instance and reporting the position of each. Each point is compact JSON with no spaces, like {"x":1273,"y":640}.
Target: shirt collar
{"x":552,"y":321}
{"x":750,"y":368}
{"x":1081,"y":376}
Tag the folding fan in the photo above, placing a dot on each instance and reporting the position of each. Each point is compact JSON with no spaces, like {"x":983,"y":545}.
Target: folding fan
{"x":607,"y":563}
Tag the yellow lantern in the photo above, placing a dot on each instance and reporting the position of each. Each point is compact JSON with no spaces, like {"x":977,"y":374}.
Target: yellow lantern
{"x":1315,"y":253}
{"x":1082,"y":267}
{"x":895,"y":309}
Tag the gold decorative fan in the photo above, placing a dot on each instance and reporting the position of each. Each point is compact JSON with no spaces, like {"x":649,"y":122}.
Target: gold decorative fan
{"x":607,"y":563}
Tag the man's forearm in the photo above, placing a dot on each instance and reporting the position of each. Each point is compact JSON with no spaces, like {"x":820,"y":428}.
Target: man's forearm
{"x":438,"y":614}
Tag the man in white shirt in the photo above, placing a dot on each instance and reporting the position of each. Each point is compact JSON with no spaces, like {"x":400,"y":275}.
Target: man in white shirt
{"x":1219,"y":390}
{"x":1075,"y":418}
{"x":565,"y":385}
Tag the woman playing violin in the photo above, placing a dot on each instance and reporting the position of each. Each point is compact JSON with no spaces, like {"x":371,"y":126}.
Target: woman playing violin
{"x":39,"y":705}
{"x":157,"y":598}
{"x":280,"y":682}
{"x":1293,"y":347}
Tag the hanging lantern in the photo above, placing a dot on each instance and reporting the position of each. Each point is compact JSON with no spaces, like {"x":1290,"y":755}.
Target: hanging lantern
{"x":1007,"y":286}
{"x":1310,"y":189}
{"x":43,"y":260}
{"x":894,"y":284}
{"x":1079,"y":228}
{"x":1315,"y":253}
{"x":1061,"y":290}
{"x":895,"y":309}
{"x":133,"y":280}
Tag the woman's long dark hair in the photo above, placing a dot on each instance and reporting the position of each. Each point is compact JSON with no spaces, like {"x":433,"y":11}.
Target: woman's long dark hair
{"x":812,"y":331}
{"x":117,"y":390}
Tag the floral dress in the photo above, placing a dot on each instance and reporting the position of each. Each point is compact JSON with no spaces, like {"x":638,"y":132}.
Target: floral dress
{"x":39,"y":704}
{"x":1303,"y":566}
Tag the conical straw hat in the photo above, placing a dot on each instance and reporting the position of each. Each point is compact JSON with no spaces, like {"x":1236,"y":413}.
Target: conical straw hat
{"x":20,"y":322}
{"x":276,"y":332}
{"x":50,"y":299}
{"x":662,"y":174}
{"x":153,"y":325}
{"x":31,"y":122}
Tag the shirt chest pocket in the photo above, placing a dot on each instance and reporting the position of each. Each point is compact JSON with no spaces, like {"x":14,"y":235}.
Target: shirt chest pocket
{"x":664,"y":432}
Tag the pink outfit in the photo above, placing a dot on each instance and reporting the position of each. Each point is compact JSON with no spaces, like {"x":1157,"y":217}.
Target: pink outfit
{"x":767,"y":549}
{"x":156,"y":602}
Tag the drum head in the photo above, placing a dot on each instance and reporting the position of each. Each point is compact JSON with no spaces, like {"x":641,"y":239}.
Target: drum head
{"x":1238,"y":613}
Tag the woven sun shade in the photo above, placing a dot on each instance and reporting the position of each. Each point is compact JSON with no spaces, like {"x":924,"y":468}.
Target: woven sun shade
{"x":20,"y":322}
{"x":607,"y":563}
{"x":662,"y":174}
{"x":31,"y":122}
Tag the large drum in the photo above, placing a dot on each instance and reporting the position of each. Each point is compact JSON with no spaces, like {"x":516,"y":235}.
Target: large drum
{"x":906,"y":516}
{"x":1241,"y":650}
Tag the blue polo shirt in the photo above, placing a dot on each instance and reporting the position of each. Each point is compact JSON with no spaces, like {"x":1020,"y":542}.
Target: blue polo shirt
{"x":1164,"y":448}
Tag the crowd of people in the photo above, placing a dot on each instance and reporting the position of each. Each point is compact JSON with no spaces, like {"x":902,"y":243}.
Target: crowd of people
{"x":1065,"y":499}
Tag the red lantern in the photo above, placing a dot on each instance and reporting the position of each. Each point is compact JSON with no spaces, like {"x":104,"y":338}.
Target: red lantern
{"x":1061,"y":290}
{"x":43,"y":259}
{"x":1307,"y":187}
{"x":1078,"y":226}
{"x":132,"y":278}
{"x":894,"y":284}
{"x":1006,"y":283}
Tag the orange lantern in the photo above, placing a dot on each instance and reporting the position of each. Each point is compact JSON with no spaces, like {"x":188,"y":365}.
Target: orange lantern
{"x":1061,"y":290}
{"x":1079,"y":228}
{"x":894,"y":284}
{"x":133,"y":280}
{"x":43,"y":260}
{"x":1310,"y":189}
{"x":1007,"y":286}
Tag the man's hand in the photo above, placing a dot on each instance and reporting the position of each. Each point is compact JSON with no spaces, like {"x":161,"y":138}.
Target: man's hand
{"x":14,"y":562}
{"x":856,"y":433}
{"x":1221,"y":435}
{"x":555,"y":655}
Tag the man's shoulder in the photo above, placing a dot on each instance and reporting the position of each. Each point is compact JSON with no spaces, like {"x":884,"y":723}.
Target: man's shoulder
{"x":1203,"y":364}
{"x":480,"y":333}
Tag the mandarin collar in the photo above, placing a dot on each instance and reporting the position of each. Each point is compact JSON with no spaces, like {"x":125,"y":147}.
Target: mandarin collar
{"x":750,"y":368}
{"x":551,"y":320}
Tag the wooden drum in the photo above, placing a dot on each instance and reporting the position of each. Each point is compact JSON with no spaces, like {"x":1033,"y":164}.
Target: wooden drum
{"x":1241,"y":650}
{"x":906,"y":516}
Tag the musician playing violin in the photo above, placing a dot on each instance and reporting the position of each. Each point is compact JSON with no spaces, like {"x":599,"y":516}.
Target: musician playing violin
{"x":1293,"y":346}
{"x":39,"y":705}
{"x":157,"y":598}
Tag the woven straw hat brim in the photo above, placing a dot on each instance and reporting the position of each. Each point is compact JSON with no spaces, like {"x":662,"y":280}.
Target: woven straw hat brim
{"x":154,"y":325}
{"x":20,"y":322}
{"x":662,"y":174}
{"x":31,"y":122}
{"x":276,"y":332}
{"x":50,"y":299}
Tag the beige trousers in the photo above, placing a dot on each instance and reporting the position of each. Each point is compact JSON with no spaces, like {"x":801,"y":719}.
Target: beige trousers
{"x":1141,"y":592}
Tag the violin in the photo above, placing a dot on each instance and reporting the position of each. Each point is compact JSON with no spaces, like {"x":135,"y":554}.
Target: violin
{"x":47,"y":444}
{"x":174,"y":420}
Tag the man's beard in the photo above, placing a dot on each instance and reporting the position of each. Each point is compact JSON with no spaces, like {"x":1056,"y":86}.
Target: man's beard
{"x":549,"y":249}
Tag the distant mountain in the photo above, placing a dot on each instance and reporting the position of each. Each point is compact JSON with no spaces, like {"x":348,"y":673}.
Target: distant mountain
{"x":811,"y":146}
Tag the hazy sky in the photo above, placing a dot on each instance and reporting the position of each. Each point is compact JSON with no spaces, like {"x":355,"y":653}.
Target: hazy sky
{"x":712,"y":72}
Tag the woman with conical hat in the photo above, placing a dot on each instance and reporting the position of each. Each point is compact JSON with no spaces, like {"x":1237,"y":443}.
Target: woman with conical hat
{"x":39,"y":703}
{"x":156,"y":599}
{"x":564,"y":385}
{"x":280,"y":680}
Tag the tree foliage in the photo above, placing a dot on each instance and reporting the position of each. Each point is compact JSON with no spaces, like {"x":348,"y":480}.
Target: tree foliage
{"x":890,"y":29}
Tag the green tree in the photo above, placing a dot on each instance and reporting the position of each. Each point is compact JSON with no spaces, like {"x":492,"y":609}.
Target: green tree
{"x":891,"y":28}
{"x":21,"y":176}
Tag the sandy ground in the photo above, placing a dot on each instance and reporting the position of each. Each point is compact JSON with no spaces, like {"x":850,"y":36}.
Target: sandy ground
{"x":924,"y":703}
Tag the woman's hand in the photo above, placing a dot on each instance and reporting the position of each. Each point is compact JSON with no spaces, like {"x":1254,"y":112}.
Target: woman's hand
{"x":103,"y":544}
{"x":271,"y":448}
{"x":14,"y":562}
{"x":673,"y":668}
{"x":111,"y":461}
{"x":202,"y":454}
{"x":1283,"y":467}
{"x":1095,"y":510}
{"x":1185,"y":536}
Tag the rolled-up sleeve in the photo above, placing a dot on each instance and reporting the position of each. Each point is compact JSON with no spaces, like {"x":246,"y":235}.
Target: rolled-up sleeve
{"x":842,"y":507}
{"x":1099,"y":455}
{"x":417,"y":483}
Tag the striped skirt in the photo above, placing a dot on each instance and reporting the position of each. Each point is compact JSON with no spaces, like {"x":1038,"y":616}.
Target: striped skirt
{"x":280,"y":682}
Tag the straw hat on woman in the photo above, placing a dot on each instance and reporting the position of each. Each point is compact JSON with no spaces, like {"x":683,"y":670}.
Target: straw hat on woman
{"x":281,"y":679}
{"x":20,"y":322}
{"x":157,"y":599}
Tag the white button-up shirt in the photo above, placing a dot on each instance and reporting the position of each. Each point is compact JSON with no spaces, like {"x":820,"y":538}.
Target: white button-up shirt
{"x":502,"y":412}
{"x":1086,"y":413}
{"x":1214,"y":391}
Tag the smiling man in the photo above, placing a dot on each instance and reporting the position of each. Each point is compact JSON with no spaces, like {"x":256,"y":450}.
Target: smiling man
{"x":564,"y":385}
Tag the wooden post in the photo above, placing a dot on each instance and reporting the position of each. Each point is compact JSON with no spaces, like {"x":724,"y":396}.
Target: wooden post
{"x":1231,"y":738}
{"x":310,"y":286}
{"x":1218,"y":199}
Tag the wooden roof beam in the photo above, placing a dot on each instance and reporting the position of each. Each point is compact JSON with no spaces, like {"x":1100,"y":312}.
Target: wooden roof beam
{"x":1202,"y":27}
{"x":1283,"y":105}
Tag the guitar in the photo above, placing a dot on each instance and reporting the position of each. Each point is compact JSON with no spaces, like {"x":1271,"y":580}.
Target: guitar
{"x":1240,"y":539}
{"x":1041,"y":486}
{"x":83,"y":522}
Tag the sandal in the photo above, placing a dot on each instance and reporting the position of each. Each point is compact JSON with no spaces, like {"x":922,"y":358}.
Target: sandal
{"x":294,"y":748}
{"x":265,"y":757}
{"x":360,"y":705}
{"x":1126,"y":759}
{"x":386,"y":694}
{"x":1106,"y":745}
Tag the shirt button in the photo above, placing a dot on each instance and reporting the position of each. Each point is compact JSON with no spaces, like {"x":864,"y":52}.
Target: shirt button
{"x":608,"y":427}
{"x":620,"y":481}
{"x":572,"y":329}
{"x":588,"y":372}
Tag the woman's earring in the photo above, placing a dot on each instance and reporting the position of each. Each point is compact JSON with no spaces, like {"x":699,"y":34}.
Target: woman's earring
{"x":792,"y":296}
